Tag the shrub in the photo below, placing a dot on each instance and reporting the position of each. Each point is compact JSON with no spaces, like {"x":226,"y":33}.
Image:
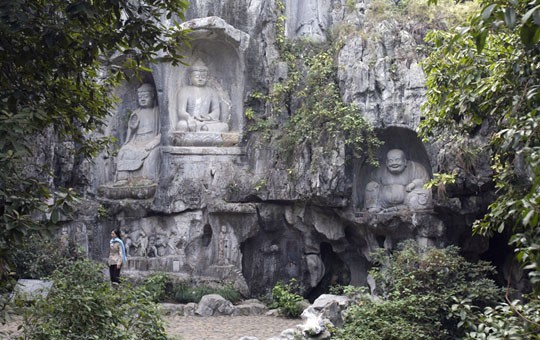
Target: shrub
{"x":414,"y":270}
{"x":514,"y":320}
{"x":185,"y":293}
{"x":83,"y":305}
{"x":38,"y":256}
{"x":417,"y":288}
{"x":285,"y":297}
{"x":372,"y":319}
{"x":228,"y":292}
{"x":158,"y":286}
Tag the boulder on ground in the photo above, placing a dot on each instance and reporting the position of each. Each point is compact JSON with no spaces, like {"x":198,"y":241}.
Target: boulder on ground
{"x":214,"y":304}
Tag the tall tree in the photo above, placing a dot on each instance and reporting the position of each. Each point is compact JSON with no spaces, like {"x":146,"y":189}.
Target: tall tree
{"x":486,"y":75}
{"x":59,"y":60}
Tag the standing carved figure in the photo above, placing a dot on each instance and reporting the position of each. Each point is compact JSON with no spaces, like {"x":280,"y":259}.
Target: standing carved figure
{"x":138,"y":158}
{"x":398,"y":185}
{"x":198,"y":104}
{"x":223,"y":246}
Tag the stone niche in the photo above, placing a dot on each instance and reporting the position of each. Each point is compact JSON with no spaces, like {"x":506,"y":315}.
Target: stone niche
{"x":389,"y":202}
{"x":134,"y":172}
{"x":205,"y":97}
{"x":396,"y":186}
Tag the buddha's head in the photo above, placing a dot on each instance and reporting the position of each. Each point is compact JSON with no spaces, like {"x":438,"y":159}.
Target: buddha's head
{"x":145,"y":95}
{"x":396,"y":161}
{"x":198,"y":73}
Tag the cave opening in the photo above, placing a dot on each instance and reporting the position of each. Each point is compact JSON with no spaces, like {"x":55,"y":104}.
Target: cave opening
{"x":207,"y":235}
{"x":336,"y":272}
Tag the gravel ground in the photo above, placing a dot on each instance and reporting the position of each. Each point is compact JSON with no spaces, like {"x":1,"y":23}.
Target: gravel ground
{"x":227,"y":327}
{"x":205,"y":328}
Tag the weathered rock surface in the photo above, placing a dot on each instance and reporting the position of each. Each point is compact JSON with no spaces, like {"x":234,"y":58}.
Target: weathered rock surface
{"x":331,"y":307}
{"x":214,"y":304}
{"x":230,"y":209}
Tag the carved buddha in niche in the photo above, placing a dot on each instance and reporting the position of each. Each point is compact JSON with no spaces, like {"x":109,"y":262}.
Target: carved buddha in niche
{"x":137,"y":158}
{"x":198,"y":104}
{"x":398,"y":185}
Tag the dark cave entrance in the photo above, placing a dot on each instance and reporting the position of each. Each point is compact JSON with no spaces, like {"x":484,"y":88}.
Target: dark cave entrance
{"x":336,"y":272}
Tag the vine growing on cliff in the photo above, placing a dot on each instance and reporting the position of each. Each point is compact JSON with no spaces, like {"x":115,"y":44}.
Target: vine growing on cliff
{"x":311,"y":98}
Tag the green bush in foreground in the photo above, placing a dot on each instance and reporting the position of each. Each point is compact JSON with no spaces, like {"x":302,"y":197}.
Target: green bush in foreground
{"x":37,"y":256}
{"x":83,"y":305}
{"x":286,"y":299}
{"x":515,"y":320}
{"x":158,"y":286}
{"x":417,"y":288}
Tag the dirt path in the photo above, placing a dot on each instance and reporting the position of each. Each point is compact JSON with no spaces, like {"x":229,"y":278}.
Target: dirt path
{"x":207,"y":328}
{"x":227,"y":327}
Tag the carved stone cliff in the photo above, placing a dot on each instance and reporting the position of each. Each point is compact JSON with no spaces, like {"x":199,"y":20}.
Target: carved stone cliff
{"x":225,"y":206}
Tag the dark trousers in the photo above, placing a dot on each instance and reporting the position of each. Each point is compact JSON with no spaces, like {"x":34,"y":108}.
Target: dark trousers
{"x":114,"y":271}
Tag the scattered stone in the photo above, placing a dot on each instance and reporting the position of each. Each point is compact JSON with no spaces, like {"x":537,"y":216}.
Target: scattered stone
{"x":190,"y":308}
{"x":314,"y":324}
{"x":30,"y":290}
{"x":331,"y":307}
{"x":272,"y":312}
{"x":250,"y":307}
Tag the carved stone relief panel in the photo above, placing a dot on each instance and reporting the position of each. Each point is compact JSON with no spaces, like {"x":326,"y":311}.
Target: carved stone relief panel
{"x":156,"y":243}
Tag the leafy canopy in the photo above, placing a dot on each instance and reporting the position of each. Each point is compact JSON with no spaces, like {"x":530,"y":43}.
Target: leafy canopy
{"x":485,"y":77}
{"x":59,"y":61}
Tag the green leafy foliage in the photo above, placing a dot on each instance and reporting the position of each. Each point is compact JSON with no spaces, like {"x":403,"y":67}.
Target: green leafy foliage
{"x":59,"y":62}
{"x":514,"y":320}
{"x":390,"y":319}
{"x":162,"y":288}
{"x":83,"y":305}
{"x":321,"y":116}
{"x":484,"y":77}
{"x":37,"y":257}
{"x":286,"y":297}
{"x":413,"y":270}
{"x":157,"y":285}
{"x":310,"y":97}
{"x":185,"y":293}
{"x":442,"y":15}
{"x":417,"y":287}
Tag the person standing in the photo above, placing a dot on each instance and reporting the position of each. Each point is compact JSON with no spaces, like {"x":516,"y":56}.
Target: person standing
{"x":117,"y":256}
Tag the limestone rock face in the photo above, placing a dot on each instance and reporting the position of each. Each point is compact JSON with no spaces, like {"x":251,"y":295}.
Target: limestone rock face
{"x":382,"y":76}
{"x":227,"y":206}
